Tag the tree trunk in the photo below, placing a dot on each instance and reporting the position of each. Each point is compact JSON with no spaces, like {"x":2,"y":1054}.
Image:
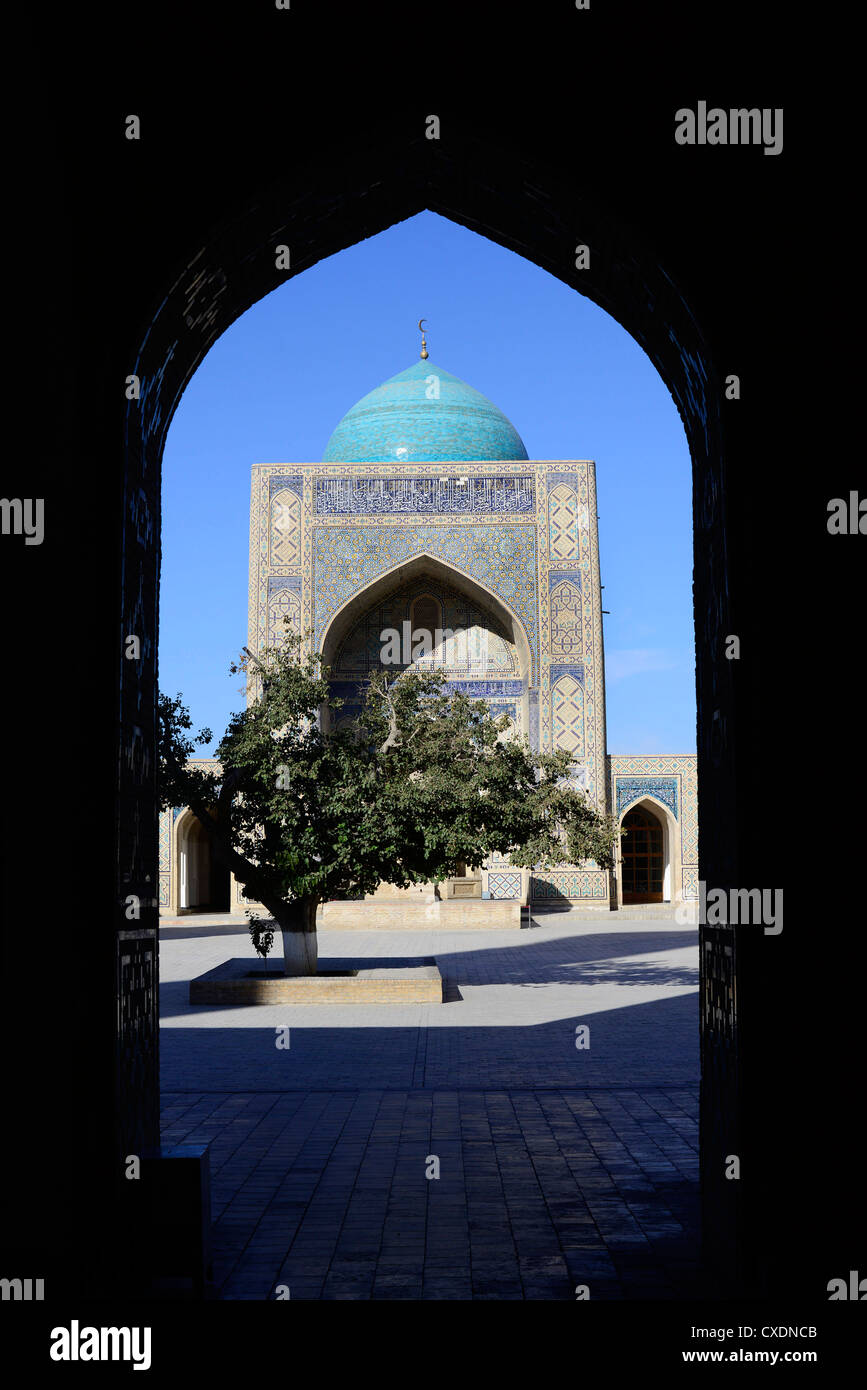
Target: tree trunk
{"x":297,"y":922}
{"x":300,"y":952}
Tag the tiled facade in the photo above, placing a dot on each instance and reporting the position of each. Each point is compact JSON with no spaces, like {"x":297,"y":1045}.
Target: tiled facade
{"x":504,"y":549}
{"x":669,"y":785}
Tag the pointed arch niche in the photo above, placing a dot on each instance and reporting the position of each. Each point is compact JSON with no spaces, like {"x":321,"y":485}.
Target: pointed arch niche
{"x":198,"y":882}
{"x":672,"y":871}
{"x":482,"y":645}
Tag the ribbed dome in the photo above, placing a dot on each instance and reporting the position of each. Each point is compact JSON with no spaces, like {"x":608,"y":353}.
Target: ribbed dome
{"x":400,"y":422}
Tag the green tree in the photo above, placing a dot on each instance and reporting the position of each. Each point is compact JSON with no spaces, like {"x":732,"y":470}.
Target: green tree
{"x":303,"y":813}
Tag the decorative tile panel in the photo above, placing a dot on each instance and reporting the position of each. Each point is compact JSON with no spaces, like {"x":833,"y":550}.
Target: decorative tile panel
{"x":285,"y":528}
{"x":676,"y":768}
{"x":567,"y":626}
{"x":504,"y":885}
{"x":293,"y":482}
{"x":575,"y":884}
{"x":563,"y":513}
{"x":283,"y":604}
{"x":426,"y":495}
{"x":631,"y":789}
{"x":567,"y":715}
{"x":347,"y":559}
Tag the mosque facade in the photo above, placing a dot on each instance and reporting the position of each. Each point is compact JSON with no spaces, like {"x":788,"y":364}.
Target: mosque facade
{"x":426,"y":514}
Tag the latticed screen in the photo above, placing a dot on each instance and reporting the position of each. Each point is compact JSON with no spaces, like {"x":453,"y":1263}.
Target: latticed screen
{"x":643,"y":857}
{"x":426,"y":616}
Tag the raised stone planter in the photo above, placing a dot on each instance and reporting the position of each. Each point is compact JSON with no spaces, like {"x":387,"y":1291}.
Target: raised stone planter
{"x":242,"y":981}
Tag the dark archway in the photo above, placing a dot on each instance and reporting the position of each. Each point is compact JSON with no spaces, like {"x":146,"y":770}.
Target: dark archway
{"x":317,"y":212}
{"x":203,"y":882}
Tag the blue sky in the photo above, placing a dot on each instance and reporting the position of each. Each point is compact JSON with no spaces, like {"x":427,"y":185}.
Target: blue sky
{"x":571,"y":380}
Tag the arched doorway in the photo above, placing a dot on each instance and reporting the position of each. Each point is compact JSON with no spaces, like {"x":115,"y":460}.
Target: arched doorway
{"x":202,"y":883}
{"x":643,"y":857}
{"x":477,"y":642}
{"x":229,"y":270}
{"x":518,"y":179}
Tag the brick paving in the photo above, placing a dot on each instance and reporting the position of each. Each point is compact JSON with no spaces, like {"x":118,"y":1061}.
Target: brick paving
{"x":557,"y":1166}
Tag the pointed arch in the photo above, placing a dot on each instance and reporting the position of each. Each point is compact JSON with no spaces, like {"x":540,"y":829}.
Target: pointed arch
{"x":360,"y":185}
{"x":283,"y":603}
{"x":197,"y":879}
{"x":424,"y":564}
{"x":672,"y":875}
{"x":567,"y":630}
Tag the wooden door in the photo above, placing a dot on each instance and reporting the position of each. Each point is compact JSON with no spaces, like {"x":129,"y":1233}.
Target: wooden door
{"x":643,"y":857}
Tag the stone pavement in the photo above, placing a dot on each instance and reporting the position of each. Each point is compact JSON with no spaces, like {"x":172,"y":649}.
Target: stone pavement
{"x":557,"y":1166}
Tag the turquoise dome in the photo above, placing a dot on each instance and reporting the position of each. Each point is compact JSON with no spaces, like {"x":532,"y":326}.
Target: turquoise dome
{"x":399,"y":423}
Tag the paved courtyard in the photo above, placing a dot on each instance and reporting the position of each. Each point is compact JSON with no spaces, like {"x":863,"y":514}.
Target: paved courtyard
{"x":558,"y":1166}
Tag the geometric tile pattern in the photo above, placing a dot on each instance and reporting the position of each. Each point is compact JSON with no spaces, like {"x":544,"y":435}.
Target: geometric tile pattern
{"x":502,"y":557}
{"x":282,"y":604}
{"x":526,"y":532}
{"x":563,"y":508}
{"x":673,"y":780}
{"x":567,"y":628}
{"x":571,"y":883}
{"x":567,"y":715}
{"x":504,"y":885}
{"x":285,"y":528}
{"x":571,"y":615}
{"x":631,"y":789}
{"x":165,"y":857}
{"x":277,"y":481}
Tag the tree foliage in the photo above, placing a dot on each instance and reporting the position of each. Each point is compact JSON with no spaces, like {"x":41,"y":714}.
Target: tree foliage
{"x":303,"y":812}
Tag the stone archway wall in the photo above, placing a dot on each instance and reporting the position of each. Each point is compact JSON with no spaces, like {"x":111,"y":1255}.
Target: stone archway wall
{"x":491,"y":189}
{"x":174,"y":241}
{"x":213,"y":265}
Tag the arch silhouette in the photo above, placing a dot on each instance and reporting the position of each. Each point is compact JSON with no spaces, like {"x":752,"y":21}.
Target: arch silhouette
{"x":342,"y":196}
{"x":533,"y":176}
